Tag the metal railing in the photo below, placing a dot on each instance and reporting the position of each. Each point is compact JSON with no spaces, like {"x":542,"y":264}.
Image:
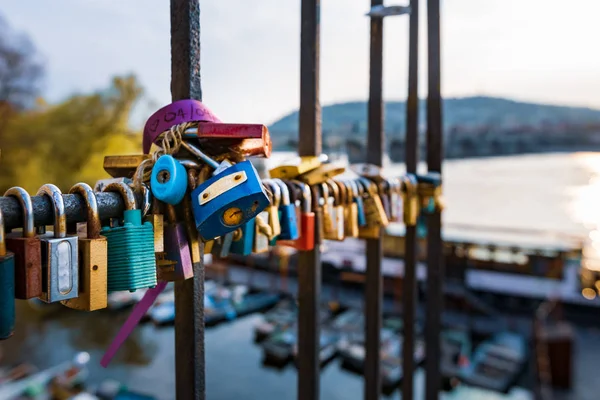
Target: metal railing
{"x":189,"y":294}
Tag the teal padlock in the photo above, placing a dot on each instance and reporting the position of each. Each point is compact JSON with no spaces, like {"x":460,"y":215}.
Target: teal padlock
{"x":7,"y":287}
{"x":131,"y":258}
{"x":243,"y":238}
{"x":168,"y":180}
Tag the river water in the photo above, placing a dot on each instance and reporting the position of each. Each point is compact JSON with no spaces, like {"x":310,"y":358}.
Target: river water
{"x":549,"y":192}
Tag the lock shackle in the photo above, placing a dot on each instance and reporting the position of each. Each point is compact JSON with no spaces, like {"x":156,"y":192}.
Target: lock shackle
{"x":189,"y":164}
{"x":91,"y":205}
{"x":324,"y":192}
{"x":2,"y":240}
{"x":125,"y":191}
{"x":394,"y":185}
{"x":275,"y":190}
{"x":409,"y":185}
{"x":350,"y":193}
{"x":316,"y":197}
{"x":198,"y":153}
{"x":25,"y":200}
{"x":171,"y":213}
{"x":343,"y":191}
{"x":306,"y":196}
{"x":203,"y":175}
{"x":144,"y":194}
{"x":192,"y":177}
{"x":359,"y":189}
{"x":370,"y":187}
{"x":285,"y":192}
{"x":335,"y":191}
{"x":60,"y":218}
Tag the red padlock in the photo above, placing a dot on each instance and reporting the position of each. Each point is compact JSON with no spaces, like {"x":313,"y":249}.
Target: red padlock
{"x":306,"y":241}
{"x":246,"y":140}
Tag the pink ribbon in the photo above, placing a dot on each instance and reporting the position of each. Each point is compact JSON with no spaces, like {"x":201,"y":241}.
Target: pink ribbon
{"x":175,"y":113}
{"x":133,"y":320}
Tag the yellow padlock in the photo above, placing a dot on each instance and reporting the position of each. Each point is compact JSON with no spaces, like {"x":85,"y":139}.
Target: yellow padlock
{"x":294,"y":167}
{"x":124,"y":166}
{"x":322,"y":174}
{"x":93,"y":258}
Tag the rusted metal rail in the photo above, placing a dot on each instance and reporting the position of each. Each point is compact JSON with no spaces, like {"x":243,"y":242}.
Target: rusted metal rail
{"x":190,"y":382}
{"x":409,"y":287}
{"x":309,"y":276}
{"x":435,"y":260}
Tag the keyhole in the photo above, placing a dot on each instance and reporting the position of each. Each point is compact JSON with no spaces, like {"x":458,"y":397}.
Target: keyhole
{"x":163,"y":176}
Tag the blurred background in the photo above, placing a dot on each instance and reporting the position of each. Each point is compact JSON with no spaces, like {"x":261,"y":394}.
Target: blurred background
{"x":521,"y":183}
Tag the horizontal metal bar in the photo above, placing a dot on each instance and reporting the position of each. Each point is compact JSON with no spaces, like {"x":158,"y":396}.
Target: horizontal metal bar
{"x":110,"y":205}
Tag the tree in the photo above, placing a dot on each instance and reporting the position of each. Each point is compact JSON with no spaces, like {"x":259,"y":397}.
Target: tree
{"x":21,"y":72}
{"x":65,"y":143}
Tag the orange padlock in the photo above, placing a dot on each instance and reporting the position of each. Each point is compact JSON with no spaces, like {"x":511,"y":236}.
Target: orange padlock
{"x":306,"y":241}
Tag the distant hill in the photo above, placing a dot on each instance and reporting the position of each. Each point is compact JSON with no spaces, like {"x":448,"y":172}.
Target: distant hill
{"x":351,"y":118}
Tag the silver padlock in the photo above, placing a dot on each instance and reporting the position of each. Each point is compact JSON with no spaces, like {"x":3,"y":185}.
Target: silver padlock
{"x":60,"y":274}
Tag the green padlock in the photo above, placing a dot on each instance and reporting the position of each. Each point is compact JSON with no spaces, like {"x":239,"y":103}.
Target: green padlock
{"x":131,"y":258}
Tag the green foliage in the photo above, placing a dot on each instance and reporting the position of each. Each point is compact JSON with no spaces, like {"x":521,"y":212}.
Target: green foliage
{"x":65,"y":143}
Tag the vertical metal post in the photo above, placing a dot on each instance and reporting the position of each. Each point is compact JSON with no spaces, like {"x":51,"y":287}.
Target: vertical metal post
{"x":409,"y":292}
{"x":374,"y":280}
{"x":189,"y":294}
{"x":435,"y":265}
{"x":309,"y":271}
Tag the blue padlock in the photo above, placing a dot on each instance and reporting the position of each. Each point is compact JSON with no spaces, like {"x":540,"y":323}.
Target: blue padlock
{"x":227,"y":200}
{"x":289,"y":221}
{"x":243,"y":238}
{"x":358,"y":189}
{"x":168,"y":180}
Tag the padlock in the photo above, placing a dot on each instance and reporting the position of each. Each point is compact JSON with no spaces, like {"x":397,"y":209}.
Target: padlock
{"x":131,"y":257}
{"x":350,"y":209}
{"x":203,"y":175}
{"x":384,"y":194}
{"x":317,"y":209}
{"x":273,"y":208}
{"x":306,"y":241}
{"x":7,"y":287}
{"x":168,"y":180}
{"x":93,"y":258}
{"x":357,"y":191}
{"x":410,"y":197}
{"x":374,"y":212}
{"x":124,"y":166}
{"x":395,"y":193}
{"x":245,"y":140}
{"x":262,"y":233}
{"x":321,"y":174}
{"x":27,"y":250}
{"x":430,"y":191}
{"x":288,"y":222}
{"x":177,"y":249}
{"x":337,"y":232}
{"x":327,"y":205}
{"x":156,"y":219}
{"x":60,"y":272}
{"x":228,"y":199}
{"x":243,"y":238}
{"x":188,"y":219}
{"x":222,"y":245}
{"x":290,"y":169}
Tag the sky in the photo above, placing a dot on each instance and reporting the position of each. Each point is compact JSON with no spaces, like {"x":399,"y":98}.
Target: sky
{"x":533,"y":50}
